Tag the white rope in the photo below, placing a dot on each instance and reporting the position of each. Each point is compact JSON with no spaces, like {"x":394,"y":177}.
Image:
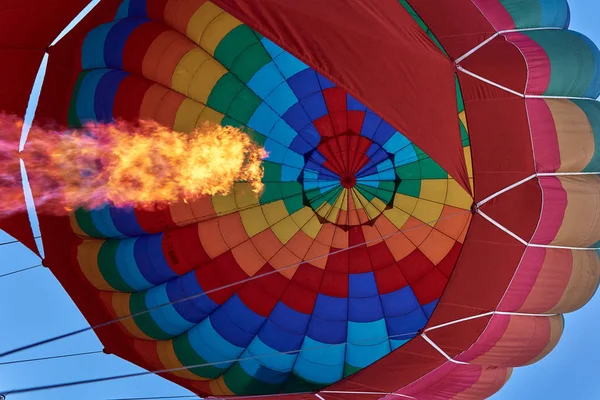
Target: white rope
{"x":442,"y":352}
{"x":367,"y":393}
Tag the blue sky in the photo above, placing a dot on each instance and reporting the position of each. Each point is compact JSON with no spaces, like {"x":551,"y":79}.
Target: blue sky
{"x":36,"y":307}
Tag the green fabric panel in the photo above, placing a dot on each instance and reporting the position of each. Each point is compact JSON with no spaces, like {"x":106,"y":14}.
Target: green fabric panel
{"x":364,"y":190}
{"x":137,"y":304}
{"x":414,"y":15}
{"x":409,"y":171}
{"x":294,"y":203}
{"x":332,"y":197}
{"x":296,"y":384}
{"x":188,"y":356}
{"x":421,"y":155}
{"x":525,"y":14}
{"x":233,"y":44}
{"x":228,"y":121}
{"x":84,"y":220}
{"x":410,"y":188}
{"x":223,"y":93}
{"x":431,"y":170}
{"x":108,"y":266}
{"x":239,"y":382}
{"x":592,"y":111}
{"x":271,"y":192}
{"x":571,"y":61}
{"x":244,"y":105}
{"x":258,"y":138}
{"x":464,"y":135}
{"x":72,"y":118}
{"x":350,"y":369}
{"x":272,"y":172}
{"x":249,"y":62}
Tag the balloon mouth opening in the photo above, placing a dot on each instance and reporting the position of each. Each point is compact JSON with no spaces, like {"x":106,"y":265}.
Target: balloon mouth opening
{"x":348,"y":181}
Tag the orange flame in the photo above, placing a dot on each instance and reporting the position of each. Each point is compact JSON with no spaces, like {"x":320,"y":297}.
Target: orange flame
{"x":123,"y":164}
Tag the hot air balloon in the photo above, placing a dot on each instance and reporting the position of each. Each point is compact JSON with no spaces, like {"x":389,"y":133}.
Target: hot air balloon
{"x":430,"y":207}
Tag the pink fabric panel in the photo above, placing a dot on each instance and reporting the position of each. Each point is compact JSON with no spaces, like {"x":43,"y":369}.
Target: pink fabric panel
{"x":524,"y":280}
{"x":545,"y":138}
{"x":495,"y":12}
{"x":553,"y":210}
{"x":537,"y":61}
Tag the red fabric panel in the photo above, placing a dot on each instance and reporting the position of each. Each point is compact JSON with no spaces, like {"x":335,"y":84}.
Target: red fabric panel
{"x":500,"y":139}
{"x":485,"y":267}
{"x":390,"y":63}
{"x":501,"y":62}
{"x":17,"y":74}
{"x":519,"y":209}
{"x":64,"y":64}
{"x":34,"y":24}
{"x":457,"y":338}
{"x":396,"y":370}
{"x":457,"y":24}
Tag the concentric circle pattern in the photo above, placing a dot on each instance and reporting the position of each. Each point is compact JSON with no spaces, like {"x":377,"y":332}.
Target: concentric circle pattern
{"x":356,"y":233}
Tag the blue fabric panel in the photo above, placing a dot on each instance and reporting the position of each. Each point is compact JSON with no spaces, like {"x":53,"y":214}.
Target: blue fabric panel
{"x":368,"y":334}
{"x":116,"y":39}
{"x":296,"y":117}
{"x":593,"y":90}
{"x":127,"y":267}
{"x":229,"y":330}
{"x":254,"y":368}
{"x":265,"y":80}
{"x":399,"y":302}
{"x":318,"y":157}
{"x":409,"y":323}
{"x":311,"y":165}
{"x":241,"y":315}
{"x":371,"y":180}
{"x":123,"y":10}
{"x":273,"y":49}
{"x":394,"y":343}
{"x":311,"y":135}
{"x":331,"y":308}
{"x":282,"y":133}
{"x":276,"y":151}
{"x":315,"y":106}
{"x":196,"y":309}
{"x":103,"y":222}
{"x":289,"y":319}
{"x":323,"y":353}
{"x":368,"y":169}
{"x":555,"y":13}
{"x":300,"y":145}
{"x":289,"y":65}
{"x":396,"y":142}
{"x":126,"y":221}
{"x":289,"y":174}
{"x":323,"y":374}
{"x":326,"y":175}
{"x":366,"y":309}
{"x":91,"y":58}
{"x":304,"y":83}
{"x":151,"y":260}
{"x":294,"y":159}
{"x":362,"y":285}
{"x":324,"y":82}
{"x":282,"y":98}
{"x":279,"y":339}
{"x":354,"y":105}
{"x":405,"y":156}
{"x":104,"y":97}
{"x":370,"y":125}
{"x":138,"y":8}
{"x":363,"y":356}
{"x":85,"y":98}
{"x":282,"y":362}
{"x":327,"y":331}
{"x":263,"y":119}
{"x":211,"y":346}
{"x":428,"y":308}
{"x":383,"y":133}
{"x":166,"y":317}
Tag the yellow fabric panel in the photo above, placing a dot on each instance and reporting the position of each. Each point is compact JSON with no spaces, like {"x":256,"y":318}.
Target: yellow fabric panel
{"x":434,"y":189}
{"x":187,"y":68}
{"x":457,"y":196}
{"x":244,"y":196}
{"x":75,"y":226}
{"x":582,"y":283}
{"x":302,"y":216}
{"x":200,"y":20}
{"x":254,"y":221}
{"x":556,"y":330}
{"x":224,"y":204}
{"x":205,"y":79}
{"x":87,"y":257}
{"x":428,"y":211}
{"x":187,"y":115}
{"x":285,"y":229}
{"x":378,"y":204}
{"x":338,"y":204}
{"x":312,"y":227}
{"x":344,"y":196}
{"x":209,"y":115}
{"x":120,"y":305}
{"x":275,"y":212}
{"x":396,"y":217}
{"x":216,"y":30}
{"x":467,"y":153}
{"x":405,"y":203}
{"x":323,"y":210}
{"x":168,"y":358}
{"x":463,"y":118}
